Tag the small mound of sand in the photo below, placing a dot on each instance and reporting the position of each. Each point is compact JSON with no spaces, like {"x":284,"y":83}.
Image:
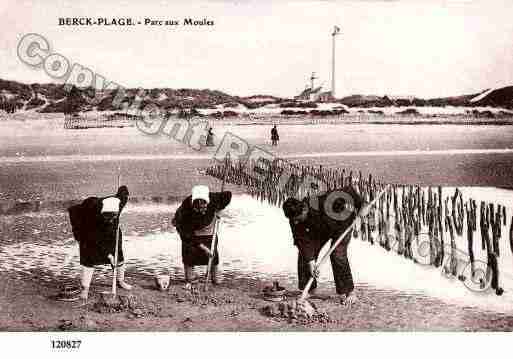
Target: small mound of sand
{"x":135,"y":307}
{"x":196,"y":297}
{"x":82,"y":324}
{"x":301,"y":313}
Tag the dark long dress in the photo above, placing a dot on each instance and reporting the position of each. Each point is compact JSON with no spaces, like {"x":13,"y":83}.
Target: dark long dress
{"x":96,"y":237}
{"x":274,"y":135}
{"x":188,"y":222}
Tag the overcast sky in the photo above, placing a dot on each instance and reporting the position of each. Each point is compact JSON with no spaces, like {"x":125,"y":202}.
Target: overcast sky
{"x":424,"y":48}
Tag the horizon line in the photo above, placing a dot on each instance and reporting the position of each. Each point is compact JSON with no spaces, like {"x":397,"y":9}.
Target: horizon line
{"x":389,"y":95}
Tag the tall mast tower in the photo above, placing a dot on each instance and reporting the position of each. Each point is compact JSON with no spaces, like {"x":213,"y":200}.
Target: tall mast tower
{"x":336,"y":31}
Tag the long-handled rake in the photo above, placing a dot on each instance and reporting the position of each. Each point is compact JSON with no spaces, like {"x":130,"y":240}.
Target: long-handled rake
{"x":116,"y":249}
{"x":213,"y":252}
{"x":213,"y":245}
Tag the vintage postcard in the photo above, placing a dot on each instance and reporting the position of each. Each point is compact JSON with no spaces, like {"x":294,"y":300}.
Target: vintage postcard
{"x":255,"y":166}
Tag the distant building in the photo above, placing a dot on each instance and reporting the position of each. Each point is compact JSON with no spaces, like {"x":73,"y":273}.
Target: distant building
{"x":309,"y":94}
{"x":326,"y":97}
{"x":314,"y":94}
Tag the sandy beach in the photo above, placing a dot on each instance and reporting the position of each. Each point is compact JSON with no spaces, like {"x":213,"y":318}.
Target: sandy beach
{"x":45,"y":164}
{"x":234,"y":306}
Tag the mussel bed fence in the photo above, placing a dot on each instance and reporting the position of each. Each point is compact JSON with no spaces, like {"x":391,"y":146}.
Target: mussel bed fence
{"x":401,"y":219}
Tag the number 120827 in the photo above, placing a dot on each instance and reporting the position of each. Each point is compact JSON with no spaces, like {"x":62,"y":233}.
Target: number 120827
{"x":66,"y":344}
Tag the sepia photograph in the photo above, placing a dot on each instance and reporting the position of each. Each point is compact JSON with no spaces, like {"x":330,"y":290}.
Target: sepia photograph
{"x":255,"y":166}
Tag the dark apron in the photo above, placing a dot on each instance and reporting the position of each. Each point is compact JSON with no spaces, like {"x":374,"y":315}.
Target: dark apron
{"x":96,"y":238}
{"x":193,"y":255}
{"x":93,"y":252}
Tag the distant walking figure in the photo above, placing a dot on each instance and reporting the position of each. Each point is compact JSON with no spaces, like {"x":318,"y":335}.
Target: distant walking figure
{"x":274,"y":136}
{"x":210,"y":137}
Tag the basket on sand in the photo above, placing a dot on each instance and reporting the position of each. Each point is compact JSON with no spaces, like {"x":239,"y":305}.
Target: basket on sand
{"x":70,"y":292}
{"x":274,"y":293}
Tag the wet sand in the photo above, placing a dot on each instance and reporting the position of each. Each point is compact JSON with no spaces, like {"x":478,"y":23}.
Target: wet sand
{"x":41,"y":160}
{"x":39,"y":255}
{"x":27,"y":305}
{"x":42,"y":255}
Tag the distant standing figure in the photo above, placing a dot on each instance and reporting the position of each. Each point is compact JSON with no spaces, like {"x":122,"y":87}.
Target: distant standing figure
{"x":210,"y":137}
{"x":274,"y":136}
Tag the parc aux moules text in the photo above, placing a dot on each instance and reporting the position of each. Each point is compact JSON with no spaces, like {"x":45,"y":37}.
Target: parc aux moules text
{"x":129,"y":21}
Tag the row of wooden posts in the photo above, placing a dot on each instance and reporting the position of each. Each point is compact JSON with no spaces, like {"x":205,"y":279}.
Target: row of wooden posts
{"x":77,"y":121}
{"x":407,"y":220}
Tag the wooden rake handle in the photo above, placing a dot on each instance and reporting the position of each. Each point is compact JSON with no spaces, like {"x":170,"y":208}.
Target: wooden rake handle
{"x":115,"y":270}
{"x":118,"y":227}
{"x":216,"y":226}
{"x":212,"y":251}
